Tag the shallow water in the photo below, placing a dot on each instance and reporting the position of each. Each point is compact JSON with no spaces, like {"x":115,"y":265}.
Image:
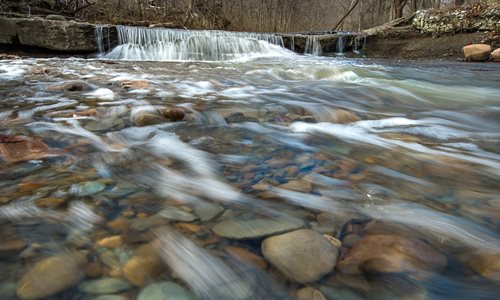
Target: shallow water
{"x":403,"y":151}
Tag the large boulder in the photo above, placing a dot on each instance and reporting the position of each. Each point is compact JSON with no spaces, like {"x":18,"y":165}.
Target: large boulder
{"x":495,"y":55}
{"x":477,"y":52}
{"x":8,"y":31}
{"x":48,"y":277}
{"x":57,"y":35}
{"x":302,"y":255}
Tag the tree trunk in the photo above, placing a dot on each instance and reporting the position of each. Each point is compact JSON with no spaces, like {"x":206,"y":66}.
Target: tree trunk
{"x":398,"y":6}
{"x":353,"y":6}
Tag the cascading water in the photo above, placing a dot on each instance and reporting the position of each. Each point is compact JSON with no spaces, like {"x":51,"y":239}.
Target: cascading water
{"x":103,"y":39}
{"x":357,"y":44}
{"x":136,"y":43}
{"x":313,"y":46}
{"x":340,"y":45}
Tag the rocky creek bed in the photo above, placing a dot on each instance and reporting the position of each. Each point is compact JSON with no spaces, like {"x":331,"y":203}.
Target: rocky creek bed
{"x":289,"y":177}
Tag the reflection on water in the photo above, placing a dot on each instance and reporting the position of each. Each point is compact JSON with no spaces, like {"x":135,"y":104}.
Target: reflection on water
{"x":148,"y":180}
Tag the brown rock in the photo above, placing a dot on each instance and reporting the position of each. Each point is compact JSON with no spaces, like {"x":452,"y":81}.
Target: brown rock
{"x":335,"y":242}
{"x":302,"y":255}
{"x":193,"y":228}
{"x":144,"y":266}
{"x":174,"y":114}
{"x":148,"y":119}
{"x":11,"y":247}
{"x":16,"y":148}
{"x":135,"y":84}
{"x":93,"y":270}
{"x":342,"y":116}
{"x":111,"y":242}
{"x":50,"y":202}
{"x":47,"y":277}
{"x":495,"y":55}
{"x":246,"y":256}
{"x":484,"y":263}
{"x":477,"y":52}
{"x":391,"y":254}
{"x":300,"y":185}
{"x":310,"y":293}
{"x":118,"y":225}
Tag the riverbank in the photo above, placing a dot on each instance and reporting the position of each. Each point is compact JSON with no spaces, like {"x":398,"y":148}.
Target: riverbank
{"x":421,"y":36}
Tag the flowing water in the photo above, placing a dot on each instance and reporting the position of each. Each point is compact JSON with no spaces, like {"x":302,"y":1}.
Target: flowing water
{"x":200,"y":162}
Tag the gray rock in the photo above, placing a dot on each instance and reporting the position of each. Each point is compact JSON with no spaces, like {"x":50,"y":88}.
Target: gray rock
{"x":55,"y":18}
{"x":142,"y":224}
{"x":255,"y":228}
{"x":57,"y":35}
{"x":340,"y":293}
{"x":302,"y":255}
{"x":105,"y":286}
{"x":164,"y":291}
{"x":8,"y":290}
{"x":177,"y":214}
{"x":206,"y":211}
{"x":110,"y":297}
{"x":105,"y":125}
{"x":88,"y":188}
{"x":8,"y":34}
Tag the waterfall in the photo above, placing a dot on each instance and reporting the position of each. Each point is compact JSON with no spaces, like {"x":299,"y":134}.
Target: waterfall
{"x":103,"y":40}
{"x":313,"y":45}
{"x":158,"y":44}
{"x":340,"y":44}
{"x":357,"y":46}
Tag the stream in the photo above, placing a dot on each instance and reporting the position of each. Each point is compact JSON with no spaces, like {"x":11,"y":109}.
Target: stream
{"x":158,"y":172}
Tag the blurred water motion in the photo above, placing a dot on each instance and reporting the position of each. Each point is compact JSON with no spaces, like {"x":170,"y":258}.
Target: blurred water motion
{"x":164,"y":179}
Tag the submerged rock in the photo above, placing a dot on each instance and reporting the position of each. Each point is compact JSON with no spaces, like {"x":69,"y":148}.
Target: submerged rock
{"x":47,"y":277}
{"x":177,"y":214}
{"x":246,"y":256}
{"x":485,"y":263}
{"x":164,"y":291}
{"x":15,"y":148}
{"x":8,"y":290}
{"x":111,"y":242}
{"x":72,"y":86}
{"x":110,"y":297}
{"x":174,"y":114}
{"x":144,"y":266}
{"x":303,"y":255}
{"x":105,"y":286}
{"x":310,"y":293}
{"x":477,"y":52}
{"x":148,"y":119}
{"x":391,"y":254}
{"x":206,"y":211}
{"x":11,"y":247}
{"x":105,"y":124}
{"x":88,"y":188}
{"x":301,"y":185}
{"x":255,"y":228}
